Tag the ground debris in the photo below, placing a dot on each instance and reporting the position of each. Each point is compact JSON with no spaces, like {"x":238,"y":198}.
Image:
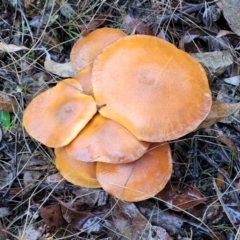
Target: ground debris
{"x":219,"y":111}
{"x":216,"y":62}
{"x":181,"y":199}
{"x":37,"y":203}
{"x":133,"y":225}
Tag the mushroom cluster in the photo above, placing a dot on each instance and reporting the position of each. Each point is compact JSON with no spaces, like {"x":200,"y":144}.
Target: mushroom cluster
{"x":111,"y":123}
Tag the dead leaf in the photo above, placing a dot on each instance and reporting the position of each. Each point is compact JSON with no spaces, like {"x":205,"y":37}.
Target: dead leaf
{"x":91,"y":197}
{"x":8,"y":103}
{"x":11,"y":47}
{"x":96,"y":22}
{"x":235,"y":80}
{"x":216,"y":61}
{"x":64,"y":70}
{"x":190,"y":43}
{"x":52,"y":217}
{"x":222,"y":137}
{"x":220,"y":181}
{"x":81,"y":217}
{"x":211,"y":212}
{"x":219,"y":111}
{"x":181,"y":199}
{"x":132,"y":224}
{"x":136,"y":26}
{"x":210,"y":15}
{"x":161,"y":233}
{"x":55,"y":178}
{"x":223,"y":33}
{"x":231,"y":12}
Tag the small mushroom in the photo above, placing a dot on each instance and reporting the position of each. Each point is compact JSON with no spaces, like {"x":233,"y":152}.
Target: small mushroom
{"x":105,"y":140}
{"x":84,"y":77}
{"x":156,"y":91}
{"x":139,"y":180}
{"x":56,"y":116}
{"x":75,"y":171}
{"x":86,"y":49}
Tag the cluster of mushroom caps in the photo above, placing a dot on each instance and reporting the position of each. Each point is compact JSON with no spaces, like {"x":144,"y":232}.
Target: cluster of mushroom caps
{"x":111,"y":123}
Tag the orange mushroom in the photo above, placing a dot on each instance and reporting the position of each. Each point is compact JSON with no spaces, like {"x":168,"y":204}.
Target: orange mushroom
{"x":139,"y":180}
{"x":86,"y":49}
{"x":107,"y":141}
{"x":56,"y":116}
{"x":75,"y":171}
{"x":153,"y":89}
{"x":84,"y":77}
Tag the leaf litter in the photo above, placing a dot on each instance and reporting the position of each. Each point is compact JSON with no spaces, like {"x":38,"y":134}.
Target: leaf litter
{"x":31,"y":185}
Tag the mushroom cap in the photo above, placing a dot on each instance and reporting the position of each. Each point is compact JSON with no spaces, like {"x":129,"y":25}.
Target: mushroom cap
{"x":139,"y":180}
{"x":105,"y":140}
{"x":84,"y":77}
{"x":57,"y":115}
{"x":85,"y":50}
{"x":75,"y":171}
{"x":152,"y":88}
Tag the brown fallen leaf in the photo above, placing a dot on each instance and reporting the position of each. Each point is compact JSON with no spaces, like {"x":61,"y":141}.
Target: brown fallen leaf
{"x":11,"y":47}
{"x":228,"y":142}
{"x":133,"y":225}
{"x":181,"y":199}
{"x":220,"y":181}
{"x":81,"y":217}
{"x":219,"y":111}
{"x":52,"y":217}
{"x":136,"y":26}
{"x":64,"y":70}
{"x":96,"y":22}
{"x":8,"y":103}
{"x":223,"y":33}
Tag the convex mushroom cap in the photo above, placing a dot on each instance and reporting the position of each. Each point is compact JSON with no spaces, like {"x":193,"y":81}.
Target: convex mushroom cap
{"x":105,"y":140}
{"x":84,"y":77}
{"x":156,"y":91}
{"x":138,"y":180}
{"x":86,"y":49}
{"x":75,"y":171}
{"x":56,"y":116}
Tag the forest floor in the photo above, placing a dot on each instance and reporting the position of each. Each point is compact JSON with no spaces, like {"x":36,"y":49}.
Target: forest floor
{"x":201,"y":200}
